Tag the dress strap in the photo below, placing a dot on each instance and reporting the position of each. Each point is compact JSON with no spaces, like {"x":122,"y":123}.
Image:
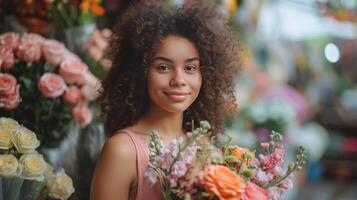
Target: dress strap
{"x":141,"y":159}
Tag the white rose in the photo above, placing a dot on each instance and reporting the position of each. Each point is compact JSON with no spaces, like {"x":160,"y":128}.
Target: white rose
{"x":8,"y":124}
{"x":5,"y":139}
{"x":9,"y":165}
{"x":60,"y":186}
{"x":34,"y":166}
{"x":25,"y":140}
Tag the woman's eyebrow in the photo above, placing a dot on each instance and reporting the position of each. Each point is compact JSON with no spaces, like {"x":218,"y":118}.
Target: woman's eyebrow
{"x":192,"y":59}
{"x":163,"y":58}
{"x":169,"y":60}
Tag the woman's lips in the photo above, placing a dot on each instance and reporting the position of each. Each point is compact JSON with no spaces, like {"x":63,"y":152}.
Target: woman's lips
{"x":177,"y":96}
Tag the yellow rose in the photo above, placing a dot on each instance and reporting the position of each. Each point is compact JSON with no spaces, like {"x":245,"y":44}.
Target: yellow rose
{"x":8,"y":124}
{"x":8,"y":165}
{"x":34,"y":166}
{"x":48,"y":172}
{"x":60,"y":186}
{"x":25,"y":140}
{"x":5,"y":139}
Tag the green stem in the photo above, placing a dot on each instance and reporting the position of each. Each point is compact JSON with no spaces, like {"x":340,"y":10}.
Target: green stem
{"x":167,"y":191}
{"x":279,"y":180}
{"x":65,"y":17}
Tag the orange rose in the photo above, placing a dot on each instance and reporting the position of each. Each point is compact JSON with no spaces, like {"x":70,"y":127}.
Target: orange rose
{"x":220,"y":181}
{"x":244,"y":155}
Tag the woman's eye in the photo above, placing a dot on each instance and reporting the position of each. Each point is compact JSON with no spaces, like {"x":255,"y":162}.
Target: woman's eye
{"x":190,"y":68}
{"x":164,"y":68}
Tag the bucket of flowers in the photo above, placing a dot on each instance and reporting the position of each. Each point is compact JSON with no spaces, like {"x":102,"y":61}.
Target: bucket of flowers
{"x":24,"y":174}
{"x":45,"y":86}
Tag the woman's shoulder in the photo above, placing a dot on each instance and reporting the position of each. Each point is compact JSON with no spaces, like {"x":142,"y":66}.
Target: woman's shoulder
{"x":119,"y":147}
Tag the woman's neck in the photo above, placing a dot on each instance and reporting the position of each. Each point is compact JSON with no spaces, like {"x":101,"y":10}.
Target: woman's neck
{"x":166,"y":123}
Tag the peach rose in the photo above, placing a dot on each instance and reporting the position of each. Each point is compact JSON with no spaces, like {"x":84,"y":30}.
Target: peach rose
{"x":29,"y":51}
{"x":53,"y":51}
{"x":7,"y":84}
{"x":11,"y":101}
{"x":254,"y":192}
{"x":7,"y":58}
{"x":72,"y":69}
{"x":220,"y":181}
{"x":51,"y":85}
{"x":244,"y":155}
{"x":9,"y":92}
{"x":72,"y":96}
{"x":82,"y":114}
{"x":10,"y":40}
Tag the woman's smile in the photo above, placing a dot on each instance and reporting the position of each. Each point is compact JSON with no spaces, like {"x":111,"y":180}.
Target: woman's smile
{"x":177,"y":96}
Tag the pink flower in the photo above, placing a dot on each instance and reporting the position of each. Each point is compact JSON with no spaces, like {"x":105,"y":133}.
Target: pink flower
{"x":287,"y":184}
{"x":29,"y":51}
{"x":72,"y":69}
{"x":262,"y":178}
{"x":11,"y":40}
{"x":254,"y":192}
{"x":33,"y":37}
{"x":53,"y":51}
{"x":90,"y":93}
{"x":11,"y":101}
{"x":90,"y":79}
{"x":151,"y":176}
{"x":7,"y":84}
{"x":51,"y":85}
{"x":9,"y":92}
{"x":7,"y":58}
{"x":275,"y":193}
{"x":178,"y":170}
{"x":72,"y":96}
{"x":82,"y":114}
{"x":269,"y":162}
{"x":278,"y":172}
{"x":265,"y":145}
{"x":95,"y":52}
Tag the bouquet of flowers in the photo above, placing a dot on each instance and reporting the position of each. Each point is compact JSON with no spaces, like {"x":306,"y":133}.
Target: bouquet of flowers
{"x":196,"y":169}
{"x":24,"y":174}
{"x":72,"y":13}
{"x":44,"y":86}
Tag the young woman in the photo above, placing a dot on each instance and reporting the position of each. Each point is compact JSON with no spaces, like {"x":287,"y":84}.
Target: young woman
{"x":171,"y":66}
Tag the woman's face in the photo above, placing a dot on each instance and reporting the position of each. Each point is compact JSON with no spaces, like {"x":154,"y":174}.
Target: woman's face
{"x":174,"y":77}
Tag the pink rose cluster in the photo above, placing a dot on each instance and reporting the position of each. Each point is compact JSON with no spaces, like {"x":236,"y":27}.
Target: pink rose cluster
{"x":73,"y":82}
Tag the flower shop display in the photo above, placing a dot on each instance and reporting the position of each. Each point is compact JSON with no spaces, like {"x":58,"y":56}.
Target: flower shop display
{"x":44,"y":85}
{"x":74,"y":21}
{"x":72,"y":13}
{"x":24,"y":174}
{"x":195,"y":168}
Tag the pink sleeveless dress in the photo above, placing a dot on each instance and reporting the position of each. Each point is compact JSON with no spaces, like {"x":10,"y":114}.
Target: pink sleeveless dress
{"x":144,"y":191}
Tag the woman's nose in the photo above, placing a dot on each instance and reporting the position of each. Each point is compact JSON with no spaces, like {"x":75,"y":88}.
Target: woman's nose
{"x":177,"y":79}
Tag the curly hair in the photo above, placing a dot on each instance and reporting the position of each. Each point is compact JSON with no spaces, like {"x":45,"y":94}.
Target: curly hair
{"x":124,"y":97}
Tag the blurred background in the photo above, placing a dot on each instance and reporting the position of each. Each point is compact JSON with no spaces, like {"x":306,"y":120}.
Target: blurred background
{"x":298,"y":77}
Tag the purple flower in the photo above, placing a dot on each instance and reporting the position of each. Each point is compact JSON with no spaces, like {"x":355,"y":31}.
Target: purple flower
{"x":262,"y":178}
{"x":151,"y":175}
